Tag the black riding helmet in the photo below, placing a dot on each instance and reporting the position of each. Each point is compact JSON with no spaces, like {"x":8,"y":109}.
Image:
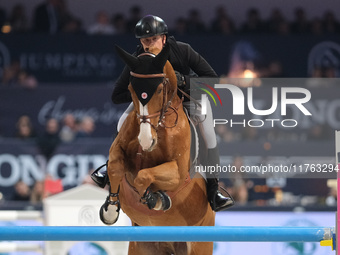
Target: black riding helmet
{"x":150,"y":25}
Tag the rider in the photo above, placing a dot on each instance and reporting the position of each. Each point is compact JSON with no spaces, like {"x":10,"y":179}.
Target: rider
{"x":153,"y":32}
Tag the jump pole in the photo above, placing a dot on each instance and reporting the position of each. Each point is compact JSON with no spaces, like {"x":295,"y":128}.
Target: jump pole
{"x":162,"y":234}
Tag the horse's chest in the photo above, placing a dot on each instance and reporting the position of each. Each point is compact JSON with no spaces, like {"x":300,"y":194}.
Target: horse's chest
{"x":138,"y":160}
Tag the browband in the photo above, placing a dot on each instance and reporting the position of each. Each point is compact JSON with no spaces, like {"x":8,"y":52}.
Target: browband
{"x":157,"y":75}
{"x":146,"y":54}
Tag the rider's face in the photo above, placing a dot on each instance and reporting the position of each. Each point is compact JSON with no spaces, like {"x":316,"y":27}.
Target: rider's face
{"x":156,"y":41}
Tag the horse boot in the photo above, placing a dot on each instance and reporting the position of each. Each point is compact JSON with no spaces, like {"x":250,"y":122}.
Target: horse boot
{"x":100,"y":176}
{"x":217,"y":200}
{"x":109,"y":211}
{"x":151,"y":198}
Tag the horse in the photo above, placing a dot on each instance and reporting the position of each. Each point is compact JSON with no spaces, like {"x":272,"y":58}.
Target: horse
{"x":149,"y":160}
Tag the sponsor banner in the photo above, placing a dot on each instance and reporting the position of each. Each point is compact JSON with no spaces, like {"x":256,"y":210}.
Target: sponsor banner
{"x":55,"y":102}
{"x":71,"y":162}
{"x":83,"y":58}
{"x":65,"y":58}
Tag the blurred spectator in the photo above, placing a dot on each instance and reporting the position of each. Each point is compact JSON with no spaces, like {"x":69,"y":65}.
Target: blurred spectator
{"x":222,"y":23}
{"x":22,"y":192}
{"x":331,"y":199}
{"x":18,"y":20}
{"x":273,"y":70}
{"x":250,"y":133}
{"x":180,"y":27}
{"x":86,"y":127}
{"x":225,"y":134}
{"x":68,"y":22}
{"x":316,"y":27}
{"x":47,"y":17}
{"x":283,"y":28}
{"x":68,"y":130}
{"x":72,"y":26}
{"x":239,"y":183}
{"x":49,"y":140}
{"x":135,"y":16}
{"x":119,"y":23}
{"x":195,"y":24}
{"x":318,"y":73}
{"x":316,"y":78}
{"x":14,"y":75}
{"x":319,"y":133}
{"x":37,"y":193}
{"x":330,"y":24}
{"x":24,"y":128}
{"x":300,"y":24}
{"x":253,"y":23}
{"x":225,"y":26}
{"x":276,"y":24}
{"x":102,"y":25}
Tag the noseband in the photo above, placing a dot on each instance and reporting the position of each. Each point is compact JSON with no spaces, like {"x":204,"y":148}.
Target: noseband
{"x":166,"y":105}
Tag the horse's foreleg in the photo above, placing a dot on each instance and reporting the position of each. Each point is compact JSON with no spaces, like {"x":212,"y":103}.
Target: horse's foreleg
{"x":163,"y":177}
{"x":109,"y":212}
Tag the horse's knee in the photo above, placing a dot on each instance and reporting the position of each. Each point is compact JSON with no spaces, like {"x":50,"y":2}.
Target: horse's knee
{"x":143,"y":179}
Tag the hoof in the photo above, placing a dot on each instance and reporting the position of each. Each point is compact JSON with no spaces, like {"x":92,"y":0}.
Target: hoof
{"x":158,"y":201}
{"x":109,"y":214}
{"x":165,"y":201}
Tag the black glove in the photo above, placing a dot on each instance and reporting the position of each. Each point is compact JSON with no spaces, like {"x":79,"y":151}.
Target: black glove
{"x":180,"y":80}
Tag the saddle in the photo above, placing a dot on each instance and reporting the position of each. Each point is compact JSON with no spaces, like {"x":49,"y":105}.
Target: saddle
{"x":197,"y":149}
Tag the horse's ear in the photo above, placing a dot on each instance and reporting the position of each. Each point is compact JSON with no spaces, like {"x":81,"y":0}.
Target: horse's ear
{"x":163,"y":56}
{"x":129,"y":59}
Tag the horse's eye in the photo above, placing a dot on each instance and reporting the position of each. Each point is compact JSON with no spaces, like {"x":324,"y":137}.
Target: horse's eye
{"x":159,"y":90}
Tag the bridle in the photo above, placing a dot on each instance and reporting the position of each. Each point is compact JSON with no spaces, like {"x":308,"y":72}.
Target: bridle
{"x":167,"y":108}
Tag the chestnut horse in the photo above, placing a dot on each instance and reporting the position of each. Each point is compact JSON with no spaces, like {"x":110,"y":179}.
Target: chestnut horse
{"x":149,"y":160}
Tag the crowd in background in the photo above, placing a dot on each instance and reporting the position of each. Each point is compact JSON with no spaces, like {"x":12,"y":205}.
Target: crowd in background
{"x":53,"y":16}
{"x":55,"y":133}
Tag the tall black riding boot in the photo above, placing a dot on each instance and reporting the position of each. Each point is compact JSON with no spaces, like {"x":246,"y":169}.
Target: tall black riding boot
{"x":100,"y":177}
{"x":216,"y":199}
